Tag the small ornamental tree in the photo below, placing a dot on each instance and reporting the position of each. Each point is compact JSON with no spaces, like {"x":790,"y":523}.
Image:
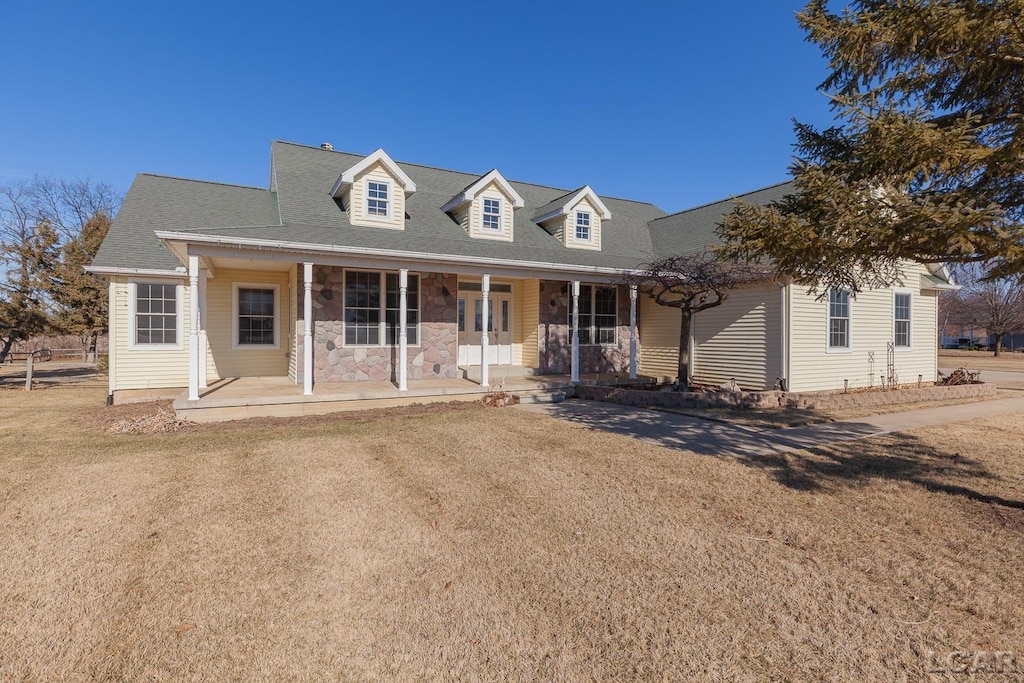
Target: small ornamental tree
{"x":692,"y":283}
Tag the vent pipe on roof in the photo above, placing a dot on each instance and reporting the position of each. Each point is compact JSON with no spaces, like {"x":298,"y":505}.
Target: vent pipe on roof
{"x":328,"y":146}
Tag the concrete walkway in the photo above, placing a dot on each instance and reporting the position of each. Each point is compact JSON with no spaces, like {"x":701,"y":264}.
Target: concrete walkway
{"x":715,"y":438}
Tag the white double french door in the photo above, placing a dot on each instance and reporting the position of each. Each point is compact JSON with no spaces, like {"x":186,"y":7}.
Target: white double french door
{"x":471,"y":327}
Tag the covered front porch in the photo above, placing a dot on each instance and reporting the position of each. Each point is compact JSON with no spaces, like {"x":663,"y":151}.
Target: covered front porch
{"x":245,"y":397}
{"x":355,"y":328}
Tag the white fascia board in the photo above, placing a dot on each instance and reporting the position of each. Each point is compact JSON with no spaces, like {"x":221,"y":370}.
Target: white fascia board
{"x":178,"y":242}
{"x":349,"y":176}
{"x":470,"y":193}
{"x":585,"y":192}
{"x":926,"y":283}
{"x":148,"y":272}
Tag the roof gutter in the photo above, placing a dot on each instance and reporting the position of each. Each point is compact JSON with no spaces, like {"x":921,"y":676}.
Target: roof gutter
{"x":280,"y":245}
{"x":148,"y":272}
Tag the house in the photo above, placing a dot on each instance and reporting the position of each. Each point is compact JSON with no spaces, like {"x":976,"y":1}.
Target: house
{"x":352,"y":269}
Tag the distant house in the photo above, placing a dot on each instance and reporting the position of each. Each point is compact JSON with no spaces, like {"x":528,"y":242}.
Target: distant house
{"x":354,"y":269}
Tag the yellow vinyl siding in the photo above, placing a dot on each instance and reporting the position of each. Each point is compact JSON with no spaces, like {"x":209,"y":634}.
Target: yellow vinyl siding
{"x":142,"y":366}
{"x":659,"y":339}
{"x":741,"y":339}
{"x":525,"y":350}
{"x":357,"y":200}
{"x":291,"y":310}
{"x":476,"y":209}
{"x":461,"y":216}
{"x":245,"y":362}
{"x":569,"y":227}
{"x":813,"y":367}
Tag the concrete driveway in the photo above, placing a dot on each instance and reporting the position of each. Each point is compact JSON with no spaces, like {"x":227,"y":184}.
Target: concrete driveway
{"x":716,"y":438}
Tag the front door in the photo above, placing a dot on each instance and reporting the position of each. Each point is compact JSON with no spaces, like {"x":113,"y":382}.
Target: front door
{"x":471,"y":327}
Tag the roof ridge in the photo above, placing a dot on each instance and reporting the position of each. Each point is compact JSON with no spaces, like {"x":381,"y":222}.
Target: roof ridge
{"x":207,"y":182}
{"x":474,"y":175}
{"x":724,"y":199}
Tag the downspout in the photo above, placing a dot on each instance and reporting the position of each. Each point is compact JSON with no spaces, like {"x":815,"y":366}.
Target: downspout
{"x":112,"y":305}
{"x":693,"y":349}
{"x":784,"y":331}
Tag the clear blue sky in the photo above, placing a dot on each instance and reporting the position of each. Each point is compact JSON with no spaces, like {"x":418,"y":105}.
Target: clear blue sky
{"x":677,"y":103}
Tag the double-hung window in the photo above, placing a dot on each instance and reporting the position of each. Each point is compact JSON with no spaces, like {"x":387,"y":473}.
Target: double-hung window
{"x":255,"y":316}
{"x":156,"y":313}
{"x":901,"y":320}
{"x":377,"y":198}
{"x":372,"y":302}
{"x":838,"y":319}
{"x":583,"y":226}
{"x":492,"y":214}
{"x":597,"y":316}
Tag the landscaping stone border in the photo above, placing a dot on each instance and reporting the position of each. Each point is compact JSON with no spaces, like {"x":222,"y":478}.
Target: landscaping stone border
{"x":780,"y":399}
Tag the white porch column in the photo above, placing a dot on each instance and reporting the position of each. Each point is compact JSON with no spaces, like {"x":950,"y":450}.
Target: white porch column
{"x":576,"y":331}
{"x":193,"y":328}
{"x":403,"y":332}
{"x":485,"y":291}
{"x":307,"y":329}
{"x":632,"y":332}
{"x":204,"y":345}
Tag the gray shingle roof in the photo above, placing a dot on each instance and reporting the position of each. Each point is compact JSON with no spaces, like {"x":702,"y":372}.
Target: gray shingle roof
{"x":306,"y":174}
{"x":162,"y":203}
{"x":301,"y":209}
{"x":696,"y":229}
{"x":554,"y":204}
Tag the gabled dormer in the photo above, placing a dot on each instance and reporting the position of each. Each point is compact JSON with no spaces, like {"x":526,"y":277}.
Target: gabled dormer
{"x":575,"y":218}
{"x":485,"y":208}
{"x":374,"y":191}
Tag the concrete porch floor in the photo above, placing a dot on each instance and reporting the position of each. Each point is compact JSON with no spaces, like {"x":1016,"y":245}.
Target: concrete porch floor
{"x":244,"y":397}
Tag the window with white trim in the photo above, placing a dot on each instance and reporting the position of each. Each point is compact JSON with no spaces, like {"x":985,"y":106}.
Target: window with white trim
{"x":378,"y":196}
{"x":256,"y":319}
{"x":838,"y":319}
{"x":583,"y":226}
{"x":901,"y":320}
{"x":492,"y":214}
{"x":156,"y":313}
{"x":598,"y":315}
{"x":372,"y":319}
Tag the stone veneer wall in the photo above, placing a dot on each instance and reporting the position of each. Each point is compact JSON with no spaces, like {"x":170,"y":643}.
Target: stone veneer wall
{"x":435,"y":357}
{"x":553,"y":334}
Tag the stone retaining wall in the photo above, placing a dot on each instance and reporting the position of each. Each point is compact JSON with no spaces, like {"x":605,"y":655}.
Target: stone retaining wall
{"x":780,"y":399}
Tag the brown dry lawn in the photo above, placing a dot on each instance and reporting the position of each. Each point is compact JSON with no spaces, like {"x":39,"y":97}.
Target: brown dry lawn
{"x":459,"y":542}
{"x":1008,"y":361}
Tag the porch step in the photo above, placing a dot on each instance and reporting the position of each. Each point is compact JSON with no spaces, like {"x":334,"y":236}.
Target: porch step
{"x":542,"y":395}
{"x":472,"y":372}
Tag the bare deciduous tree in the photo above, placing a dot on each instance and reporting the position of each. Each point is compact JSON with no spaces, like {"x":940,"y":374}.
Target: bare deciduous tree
{"x":28,"y":251}
{"x":692,"y":283}
{"x":50,"y":229}
{"x":995,"y":304}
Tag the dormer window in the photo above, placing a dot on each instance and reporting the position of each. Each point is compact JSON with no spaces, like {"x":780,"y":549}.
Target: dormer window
{"x":576,"y":218}
{"x":582,"y":226}
{"x":377,"y":195}
{"x":492,"y":214}
{"x":373,"y":192}
{"x":481,"y":208}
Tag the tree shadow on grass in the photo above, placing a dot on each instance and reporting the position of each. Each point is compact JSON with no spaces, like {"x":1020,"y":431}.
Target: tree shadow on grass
{"x":895,"y":457}
{"x":820,"y":457}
